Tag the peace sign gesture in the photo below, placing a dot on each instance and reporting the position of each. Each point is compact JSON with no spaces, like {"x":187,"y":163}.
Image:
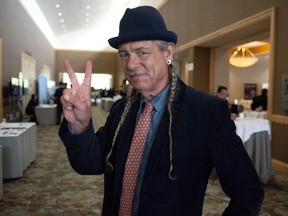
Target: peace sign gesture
{"x":76,"y":102}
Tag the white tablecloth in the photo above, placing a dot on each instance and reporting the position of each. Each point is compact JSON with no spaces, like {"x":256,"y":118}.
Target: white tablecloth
{"x":256,"y":134}
{"x":18,"y":142}
{"x":248,"y":126}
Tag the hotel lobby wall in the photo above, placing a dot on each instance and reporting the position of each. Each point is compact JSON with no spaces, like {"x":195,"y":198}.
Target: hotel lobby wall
{"x":194,"y":19}
{"x":103,"y":62}
{"x":20,"y":34}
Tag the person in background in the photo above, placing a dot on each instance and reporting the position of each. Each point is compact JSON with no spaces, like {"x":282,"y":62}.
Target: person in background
{"x":222,"y":92}
{"x":30,"y":108}
{"x":190,"y":132}
{"x":57,"y":95}
{"x":259,"y":102}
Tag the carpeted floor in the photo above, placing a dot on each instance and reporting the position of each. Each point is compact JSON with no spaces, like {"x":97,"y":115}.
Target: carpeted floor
{"x":50,"y":187}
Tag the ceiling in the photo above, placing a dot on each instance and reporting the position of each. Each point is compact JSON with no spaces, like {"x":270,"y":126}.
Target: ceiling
{"x":79,"y":27}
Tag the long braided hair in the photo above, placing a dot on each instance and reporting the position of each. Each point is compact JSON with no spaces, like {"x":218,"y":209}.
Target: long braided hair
{"x":173,"y":68}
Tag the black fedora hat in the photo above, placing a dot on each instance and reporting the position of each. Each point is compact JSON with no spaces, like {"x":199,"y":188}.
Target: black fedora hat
{"x":142,"y":23}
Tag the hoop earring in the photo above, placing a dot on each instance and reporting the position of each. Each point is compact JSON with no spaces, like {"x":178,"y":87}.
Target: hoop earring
{"x":169,"y":62}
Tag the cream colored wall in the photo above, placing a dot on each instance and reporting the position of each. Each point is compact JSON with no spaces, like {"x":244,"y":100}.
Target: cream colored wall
{"x":221,"y":70}
{"x":257,"y":73}
{"x":234,"y":78}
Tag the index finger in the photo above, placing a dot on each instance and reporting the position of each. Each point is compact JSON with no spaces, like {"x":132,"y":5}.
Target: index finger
{"x":71,"y":73}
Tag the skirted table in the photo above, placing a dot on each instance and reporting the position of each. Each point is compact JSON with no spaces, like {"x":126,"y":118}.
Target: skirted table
{"x":18,"y":141}
{"x":46,"y":114}
{"x":256,"y":136}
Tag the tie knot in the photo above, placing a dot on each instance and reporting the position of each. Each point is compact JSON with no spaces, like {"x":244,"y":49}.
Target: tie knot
{"x":148,"y":106}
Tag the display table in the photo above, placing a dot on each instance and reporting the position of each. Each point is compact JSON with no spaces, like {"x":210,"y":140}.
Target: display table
{"x":46,"y":114}
{"x":18,"y":141}
{"x":256,"y":135}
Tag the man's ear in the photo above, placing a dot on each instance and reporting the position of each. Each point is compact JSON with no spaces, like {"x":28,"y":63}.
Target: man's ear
{"x":170,"y":51}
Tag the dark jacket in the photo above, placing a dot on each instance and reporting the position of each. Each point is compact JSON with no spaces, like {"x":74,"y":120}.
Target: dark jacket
{"x":260,"y":100}
{"x":203,"y":137}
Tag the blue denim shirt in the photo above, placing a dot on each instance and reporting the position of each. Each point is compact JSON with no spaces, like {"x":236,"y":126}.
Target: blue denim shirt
{"x":159,"y":103}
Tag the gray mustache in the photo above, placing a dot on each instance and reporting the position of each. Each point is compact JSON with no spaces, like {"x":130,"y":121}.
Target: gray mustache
{"x":137,"y":73}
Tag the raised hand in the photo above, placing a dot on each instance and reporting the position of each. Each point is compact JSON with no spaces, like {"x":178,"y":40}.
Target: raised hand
{"x":76,"y":102}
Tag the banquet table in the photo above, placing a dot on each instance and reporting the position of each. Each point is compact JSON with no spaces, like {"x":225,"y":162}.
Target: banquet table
{"x":18,"y":141}
{"x":256,"y":136}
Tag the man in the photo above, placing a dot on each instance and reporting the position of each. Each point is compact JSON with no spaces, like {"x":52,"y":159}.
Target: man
{"x":222,"y":92}
{"x":57,"y":95}
{"x":259,"y":102}
{"x":190,"y":132}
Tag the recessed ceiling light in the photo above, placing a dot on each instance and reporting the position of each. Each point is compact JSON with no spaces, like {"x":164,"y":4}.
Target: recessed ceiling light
{"x":87,"y":20}
{"x":87,"y":14}
{"x":59,"y":14}
{"x":62,"y":20}
{"x":88,"y":7}
{"x":63,"y":26}
{"x":57,"y":6}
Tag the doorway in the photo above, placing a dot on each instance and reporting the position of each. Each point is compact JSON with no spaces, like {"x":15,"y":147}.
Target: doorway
{"x":258,"y":27}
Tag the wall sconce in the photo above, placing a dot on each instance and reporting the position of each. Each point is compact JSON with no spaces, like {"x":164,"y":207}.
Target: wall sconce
{"x":243,"y":57}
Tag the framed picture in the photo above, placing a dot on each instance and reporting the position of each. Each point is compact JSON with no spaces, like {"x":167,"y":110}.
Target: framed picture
{"x":250,"y":90}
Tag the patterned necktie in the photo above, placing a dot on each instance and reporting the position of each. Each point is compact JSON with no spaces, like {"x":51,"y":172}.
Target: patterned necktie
{"x":133,"y":160}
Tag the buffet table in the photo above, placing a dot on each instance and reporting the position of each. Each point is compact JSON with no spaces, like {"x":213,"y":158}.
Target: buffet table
{"x":18,"y":141}
{"x":46,"y":114}
{"x":256,"y":135}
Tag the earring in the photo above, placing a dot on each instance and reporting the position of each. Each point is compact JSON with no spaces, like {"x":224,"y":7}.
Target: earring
{"x":169,"y":62}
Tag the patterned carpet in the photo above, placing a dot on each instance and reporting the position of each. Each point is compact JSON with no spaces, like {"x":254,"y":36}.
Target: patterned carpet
{"x":50,"y":187}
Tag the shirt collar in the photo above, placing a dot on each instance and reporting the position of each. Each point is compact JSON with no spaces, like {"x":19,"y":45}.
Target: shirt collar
{"x":159,"y":101}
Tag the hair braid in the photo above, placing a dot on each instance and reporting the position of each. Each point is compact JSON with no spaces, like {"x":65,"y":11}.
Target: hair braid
{"x":131,"y":97}
{"x":170,"y":111}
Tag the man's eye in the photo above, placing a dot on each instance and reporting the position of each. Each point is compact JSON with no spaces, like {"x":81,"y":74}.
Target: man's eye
{"x":142,"y":53}
{"x":123,"y":55}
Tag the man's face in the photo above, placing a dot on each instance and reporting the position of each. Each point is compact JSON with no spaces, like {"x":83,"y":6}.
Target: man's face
{"x":145,"y":66}
{"x":223,"y":94}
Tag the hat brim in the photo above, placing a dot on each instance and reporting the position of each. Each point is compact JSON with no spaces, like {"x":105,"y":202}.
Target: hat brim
{"x":143,"y":35}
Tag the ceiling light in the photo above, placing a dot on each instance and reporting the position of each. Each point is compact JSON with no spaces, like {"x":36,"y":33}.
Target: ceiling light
{"x":57,"y":5}
{"x":243,"y":57}
{"x":59,"y":14}
{"x":62,"y":20}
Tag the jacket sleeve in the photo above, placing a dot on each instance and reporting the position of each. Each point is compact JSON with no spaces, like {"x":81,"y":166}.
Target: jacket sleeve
{"x":85,"y":151}
{"x":235,"y":170}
